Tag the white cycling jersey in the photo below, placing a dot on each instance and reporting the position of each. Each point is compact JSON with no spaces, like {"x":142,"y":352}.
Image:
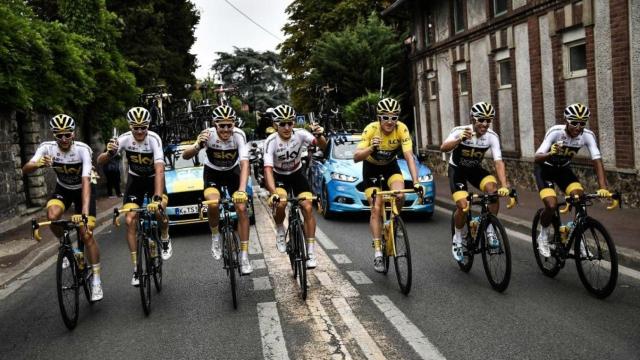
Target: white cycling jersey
{"x":70,"y":166}
{"x":225,"y":155}
{"x":569,"y":146}
{"x":470,"y":152}
{"x":141,"y":156}
{"x":285,"y":155}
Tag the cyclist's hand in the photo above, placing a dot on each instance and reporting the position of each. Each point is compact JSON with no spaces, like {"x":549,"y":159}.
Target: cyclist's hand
{"x":466,"y":134}
{"x":603,"y":193}
{"x":418,"y":188}
{"x":76,"y":218}
{"x":503,"y":191}
{"x":112,"y":146}
{"x":317,"y":130}
{"x":274,"y":198}
{"x":375,"y":142}
{"x":153,"y":206}
{"x":44,"y":161}
{"x":240,"y":197}
{"x":555,"y":148}
{"x":203,"y":138}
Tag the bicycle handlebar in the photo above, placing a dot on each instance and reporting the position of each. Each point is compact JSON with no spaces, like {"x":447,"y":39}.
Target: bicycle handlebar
{"x":117,"y":212}
{"x":66,"y":224}
{"x":475,"y":199}
{"x":616,"y":201}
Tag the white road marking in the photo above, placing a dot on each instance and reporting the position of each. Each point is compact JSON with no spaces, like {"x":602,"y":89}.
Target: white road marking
{"x":341,"y":259}
{"x":358,"y":332}
{"x":261,"y":283}
{"x":273,"y":345}
{"x":406,"y":328}
{"x":359,"y":277}
{"x":328,"y":330}
{"x":324,"y":240}
{"x":258,"y":264}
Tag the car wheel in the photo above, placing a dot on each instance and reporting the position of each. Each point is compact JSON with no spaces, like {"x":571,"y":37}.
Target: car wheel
{"x":326,"y":207}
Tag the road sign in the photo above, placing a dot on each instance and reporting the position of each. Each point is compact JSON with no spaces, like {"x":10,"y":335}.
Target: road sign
{"x":300,"y":119}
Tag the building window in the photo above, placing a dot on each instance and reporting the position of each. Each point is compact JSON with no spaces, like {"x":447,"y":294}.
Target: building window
{"x":428,"y":31}
{"x":462,"y":82}
{"x":458,"y":15}
{"x":433,"y":89}
{"x":504,"y":73}
{"x":575,"y":59}
{"x":500,"y":7}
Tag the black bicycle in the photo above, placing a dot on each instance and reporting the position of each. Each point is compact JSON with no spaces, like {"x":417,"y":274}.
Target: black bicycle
{"x":493,"y":245}
{"x":72,"y":271}
{"x":149,"y":246}
{"x":230,"y":242}
{"x":593,"y":249}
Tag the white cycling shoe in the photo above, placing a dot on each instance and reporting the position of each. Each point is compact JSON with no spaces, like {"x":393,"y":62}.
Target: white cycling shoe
{"x":492,"y":239}
{"x":135,"y":281}
{"x":457,"y":249}
{"x":543,"y":242}
{"x":96,"y":292}
{"x":378,"y":264}
{"x":245,"y":266}
{"x":280,"y":241}
{"x":312,"y":261}
{"x":216,"y":250}
{"x":166,"y":254}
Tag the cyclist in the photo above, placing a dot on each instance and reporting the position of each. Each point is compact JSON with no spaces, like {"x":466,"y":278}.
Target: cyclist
{"x":283,"y":163}
{"x":381,"y":142}
{"x":71,"y":161}
{"x":469,"y":144}
{"x":553,"y":158}
{"x":227,"y":164}
{"x":143,"y":150}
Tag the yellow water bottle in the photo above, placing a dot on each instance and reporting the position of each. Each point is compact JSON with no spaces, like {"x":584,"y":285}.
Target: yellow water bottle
{"x":473,"y":226}
{"x":153,"y":248}
{"x":564,"y":233}
{"x":79,"y":258}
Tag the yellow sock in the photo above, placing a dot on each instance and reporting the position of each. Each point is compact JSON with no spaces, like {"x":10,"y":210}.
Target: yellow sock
{"x":134,"y":258}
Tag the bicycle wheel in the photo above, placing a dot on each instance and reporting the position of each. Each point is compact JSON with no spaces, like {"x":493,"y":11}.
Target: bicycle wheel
{"x":291,"y":250}
{"x":596,"y":258}
{"x":496,"y":259}
{"x":301,"y":261}
{"x":157,"y":260}
{"x":68,"y":290}
{"x":550,"y":266}
{"x":143,"y":270}
{"x":385,"y":257}
{"x":230,"y":254}
{"x":402,"y":260}
{"x":467,"y":245}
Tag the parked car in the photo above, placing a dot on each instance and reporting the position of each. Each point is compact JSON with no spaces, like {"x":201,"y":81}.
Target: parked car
{"x":337,"y":179}
{"x":183,"y":180}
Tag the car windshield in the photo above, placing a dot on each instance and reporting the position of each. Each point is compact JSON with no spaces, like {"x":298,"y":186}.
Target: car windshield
{"x":344,"y":150}
{"x":175,"y":161}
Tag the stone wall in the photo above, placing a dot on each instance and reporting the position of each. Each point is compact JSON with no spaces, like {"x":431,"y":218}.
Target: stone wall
{"x":520,"y":174}
{"x":12,"y":197}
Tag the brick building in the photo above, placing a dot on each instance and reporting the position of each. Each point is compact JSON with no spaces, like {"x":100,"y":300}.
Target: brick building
{"x":529,"y":58}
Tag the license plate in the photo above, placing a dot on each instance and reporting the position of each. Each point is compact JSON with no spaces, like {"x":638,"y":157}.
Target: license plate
{"x":186,"y":210}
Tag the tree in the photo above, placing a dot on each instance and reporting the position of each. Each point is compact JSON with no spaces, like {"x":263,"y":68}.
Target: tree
{"x":256,"y":75}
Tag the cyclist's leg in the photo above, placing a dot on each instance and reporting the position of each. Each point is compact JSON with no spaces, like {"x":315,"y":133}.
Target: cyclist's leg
{"x":233,"y":183}
{"x":279,"y":214}
{"x":458,"y":186}
{"x":487,"y":183}
{"x":90,"y":244}
{"x":569,"y":182}
{"x":545,"y":179}
{"x":56,"y":206}
{"x":133,"y":198}
{"x":370,"y":174}
{"x":395,"y":180}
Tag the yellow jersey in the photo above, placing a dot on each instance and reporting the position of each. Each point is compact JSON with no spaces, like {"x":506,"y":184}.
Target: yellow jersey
{"x":390,"y":145}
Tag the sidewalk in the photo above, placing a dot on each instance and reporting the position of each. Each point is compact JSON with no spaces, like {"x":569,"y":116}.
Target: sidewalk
{"x":19,"y":253}
{"x":621,"y":223}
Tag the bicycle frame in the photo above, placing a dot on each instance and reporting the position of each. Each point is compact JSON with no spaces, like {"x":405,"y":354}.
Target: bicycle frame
{"x":389,"y":207}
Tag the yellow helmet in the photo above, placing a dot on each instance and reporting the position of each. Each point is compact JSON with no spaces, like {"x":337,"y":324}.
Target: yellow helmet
{"x":138,"y":116}
{"x":62,"y":123}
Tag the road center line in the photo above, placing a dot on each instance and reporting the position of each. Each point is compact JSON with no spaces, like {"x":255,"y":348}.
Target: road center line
{"x":273,"y":346}
{"x":324,"y":240}
{"x":358,"y":332}
{"x":359,"y":277}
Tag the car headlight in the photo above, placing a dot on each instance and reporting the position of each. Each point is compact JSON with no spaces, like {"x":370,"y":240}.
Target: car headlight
{"x":425,"y":178}
{"x":343,"y":177}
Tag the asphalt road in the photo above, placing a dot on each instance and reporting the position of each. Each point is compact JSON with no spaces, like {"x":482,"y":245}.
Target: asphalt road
{"x":351,"y":312}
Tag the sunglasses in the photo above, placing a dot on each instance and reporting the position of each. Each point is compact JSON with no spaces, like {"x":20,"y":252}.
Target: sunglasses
{"x":224,"y":126}
{"x":284,"y":124}
{"x":578,"y":123}
{"x":139,"y":128}
{"x":388,"y":117}
{"x":63,"y":136}
{"x":483,"y":120}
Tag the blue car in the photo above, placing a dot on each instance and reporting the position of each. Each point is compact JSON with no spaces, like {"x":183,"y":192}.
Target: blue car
{"x":338,"y":180}
{"x":184,"y":183}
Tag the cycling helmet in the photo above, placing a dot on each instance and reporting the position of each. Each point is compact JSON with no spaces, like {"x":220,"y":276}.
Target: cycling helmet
{"x":388,"y":106}
{"x":138,"y":116}
{"x":62,"y":123}
{"x":224,"y":112}
{"x":482,"y":110}
{"x":283,"y":113}
{"x":577,"y":111}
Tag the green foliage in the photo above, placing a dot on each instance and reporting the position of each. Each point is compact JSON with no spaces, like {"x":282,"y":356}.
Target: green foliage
{"x":359,"y":112}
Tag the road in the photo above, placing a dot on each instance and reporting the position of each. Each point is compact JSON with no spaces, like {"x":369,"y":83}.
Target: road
{"x":351,"y":312}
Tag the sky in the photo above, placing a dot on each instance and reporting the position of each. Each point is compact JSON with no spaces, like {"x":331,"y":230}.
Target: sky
{"x":222,"y":27}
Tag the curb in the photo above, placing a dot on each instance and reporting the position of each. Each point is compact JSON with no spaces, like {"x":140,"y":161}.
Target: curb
{"x":626,"y":257}
{"x":35,"y":256}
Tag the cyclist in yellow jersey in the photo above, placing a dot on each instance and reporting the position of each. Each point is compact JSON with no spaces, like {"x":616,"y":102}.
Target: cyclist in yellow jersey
{"x":380,"y":144}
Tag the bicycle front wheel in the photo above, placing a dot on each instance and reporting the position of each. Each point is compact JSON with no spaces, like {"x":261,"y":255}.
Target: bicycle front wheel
{"x":143,"y":267}
{"x":156,"y":259}
{"x":301,"y":261}
{"x":402,"y":260}
{"x":596,"y":259}
{"x":551,"y":265}
{"x":496,"y":254}
{"x":232,"y":261}
{"x":68,"y":289}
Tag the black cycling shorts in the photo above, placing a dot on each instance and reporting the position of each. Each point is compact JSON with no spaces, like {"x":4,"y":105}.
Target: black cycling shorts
{"x":547,"y":175}
{"x":295,"y":182}
{"x":68,"y":197}
{"x":459,"y":175}
{"x":217,"y":179}
{"x":138,"y":187}
{"x":371,"y":172}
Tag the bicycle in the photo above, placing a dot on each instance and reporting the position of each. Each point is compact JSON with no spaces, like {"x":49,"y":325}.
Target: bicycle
{"x":230,"y":242}
{"x":395,"y":238}
{"x":496,"y":259}
{"x":296,"y":247}
{"x":148,"y":245}
{"x":599,"y":251}
{"x":72,"y":271}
